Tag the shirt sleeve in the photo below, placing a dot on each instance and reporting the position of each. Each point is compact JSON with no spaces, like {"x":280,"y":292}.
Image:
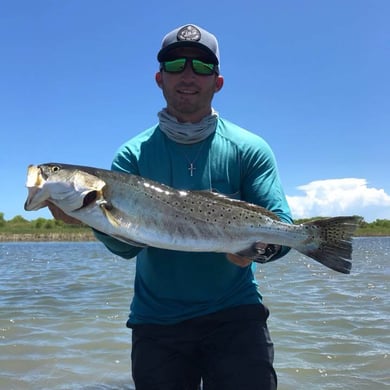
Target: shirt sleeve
{"x":261,"y":183}
{"x":123,"y":162}
{"x":117,"y":247}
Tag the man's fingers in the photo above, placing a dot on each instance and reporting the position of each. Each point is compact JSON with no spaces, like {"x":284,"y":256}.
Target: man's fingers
{"x":238,"y":260}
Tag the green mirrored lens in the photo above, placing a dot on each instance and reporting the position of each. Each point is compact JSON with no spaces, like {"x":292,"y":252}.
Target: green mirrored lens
{"x":201,"y":67}
{"x":175,"y":66}
{"x":179,"y":64}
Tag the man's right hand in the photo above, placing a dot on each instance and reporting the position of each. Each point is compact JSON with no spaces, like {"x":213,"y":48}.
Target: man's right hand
{"x":61,"y":216}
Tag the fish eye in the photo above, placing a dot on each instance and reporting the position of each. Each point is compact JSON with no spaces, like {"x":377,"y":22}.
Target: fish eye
{"x":55,"y":168}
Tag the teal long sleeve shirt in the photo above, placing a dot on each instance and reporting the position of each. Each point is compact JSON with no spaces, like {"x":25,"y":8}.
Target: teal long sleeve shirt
{"x":172,"y":286}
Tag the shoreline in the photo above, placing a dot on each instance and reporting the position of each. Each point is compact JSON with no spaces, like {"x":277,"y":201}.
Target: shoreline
{"x":42,"y":237}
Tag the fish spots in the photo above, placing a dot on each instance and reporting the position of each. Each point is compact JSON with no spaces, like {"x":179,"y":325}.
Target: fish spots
{"x":310,"y":230}
{"x":197,"y":207}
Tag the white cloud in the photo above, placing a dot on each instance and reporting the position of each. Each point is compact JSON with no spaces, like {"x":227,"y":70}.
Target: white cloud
{"x":334,"y":197}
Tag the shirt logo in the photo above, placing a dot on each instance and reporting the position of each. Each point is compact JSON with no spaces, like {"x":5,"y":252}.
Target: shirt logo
{"x":188,"y":33}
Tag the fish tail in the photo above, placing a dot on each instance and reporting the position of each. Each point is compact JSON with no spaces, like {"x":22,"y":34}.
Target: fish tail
{"x":331,"y":242}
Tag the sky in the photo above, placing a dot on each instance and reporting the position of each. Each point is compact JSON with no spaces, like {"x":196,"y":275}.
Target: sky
{"x":311,"y":77}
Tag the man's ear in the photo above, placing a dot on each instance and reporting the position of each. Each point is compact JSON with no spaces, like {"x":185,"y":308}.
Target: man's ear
{"x":158,"y":78}
{"x":219,"y":83}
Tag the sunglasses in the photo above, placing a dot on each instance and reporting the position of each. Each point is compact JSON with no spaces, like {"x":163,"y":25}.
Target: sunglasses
{"x":199,"y":67}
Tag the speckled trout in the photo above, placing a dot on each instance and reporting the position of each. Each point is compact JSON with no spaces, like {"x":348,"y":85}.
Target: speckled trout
{"x":146,"y":213}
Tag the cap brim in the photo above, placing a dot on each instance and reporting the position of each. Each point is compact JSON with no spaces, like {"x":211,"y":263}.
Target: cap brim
{"x":163,"y":54}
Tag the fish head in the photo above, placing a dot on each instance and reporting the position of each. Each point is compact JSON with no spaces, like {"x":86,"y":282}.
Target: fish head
{"x":67,"y":186}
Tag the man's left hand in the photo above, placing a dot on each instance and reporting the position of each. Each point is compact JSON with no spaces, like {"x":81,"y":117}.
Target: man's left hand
{"x":238,"y":260}
{"x":262,"y":253}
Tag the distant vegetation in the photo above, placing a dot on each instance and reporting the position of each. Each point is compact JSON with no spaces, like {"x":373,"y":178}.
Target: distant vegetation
{"x":18,"y":228}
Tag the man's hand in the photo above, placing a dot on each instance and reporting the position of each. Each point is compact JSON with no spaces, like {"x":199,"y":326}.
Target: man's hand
{"x":60,"y":215}
{"x":238,"y":260}
{"x":260,"y":253}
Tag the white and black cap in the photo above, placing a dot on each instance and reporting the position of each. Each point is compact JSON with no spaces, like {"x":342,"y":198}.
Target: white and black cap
{"x":190,"y":35}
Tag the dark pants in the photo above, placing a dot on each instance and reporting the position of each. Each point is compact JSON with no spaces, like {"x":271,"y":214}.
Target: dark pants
{"x":227,"y":350}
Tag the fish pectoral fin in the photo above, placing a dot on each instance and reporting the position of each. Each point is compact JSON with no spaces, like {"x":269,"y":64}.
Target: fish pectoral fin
{"x":128,"y":241}
{"x":108,"y":210}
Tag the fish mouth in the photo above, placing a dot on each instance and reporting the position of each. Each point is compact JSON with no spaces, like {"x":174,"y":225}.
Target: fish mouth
{"x":33,"y":202}
{"x":36,"y":198}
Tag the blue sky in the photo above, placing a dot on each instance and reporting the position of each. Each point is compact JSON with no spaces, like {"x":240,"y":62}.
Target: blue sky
{"x":311,"y":77}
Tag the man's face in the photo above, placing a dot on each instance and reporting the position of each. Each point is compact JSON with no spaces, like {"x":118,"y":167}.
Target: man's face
{"x":188,"y":94}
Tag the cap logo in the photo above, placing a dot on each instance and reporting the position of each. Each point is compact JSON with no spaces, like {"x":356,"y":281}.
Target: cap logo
{"x":188,"y":33}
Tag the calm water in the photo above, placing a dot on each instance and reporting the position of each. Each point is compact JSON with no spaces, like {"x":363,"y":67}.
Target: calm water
{"x":63,"y":308}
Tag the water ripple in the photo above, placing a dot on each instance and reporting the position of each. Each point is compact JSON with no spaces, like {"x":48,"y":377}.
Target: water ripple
{"x":64,"y":308}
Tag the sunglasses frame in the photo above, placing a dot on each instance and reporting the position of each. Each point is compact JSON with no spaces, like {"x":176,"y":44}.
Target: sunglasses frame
{"x":214,"y":69}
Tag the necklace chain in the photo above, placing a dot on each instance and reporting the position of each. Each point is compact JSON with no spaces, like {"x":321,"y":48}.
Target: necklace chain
{"x":191,"y":164}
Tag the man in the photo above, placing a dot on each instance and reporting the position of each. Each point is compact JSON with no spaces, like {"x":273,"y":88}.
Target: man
{"x":199,"y":316}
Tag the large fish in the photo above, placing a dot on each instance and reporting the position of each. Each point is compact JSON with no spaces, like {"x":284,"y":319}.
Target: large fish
{"x":146,"y":213}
